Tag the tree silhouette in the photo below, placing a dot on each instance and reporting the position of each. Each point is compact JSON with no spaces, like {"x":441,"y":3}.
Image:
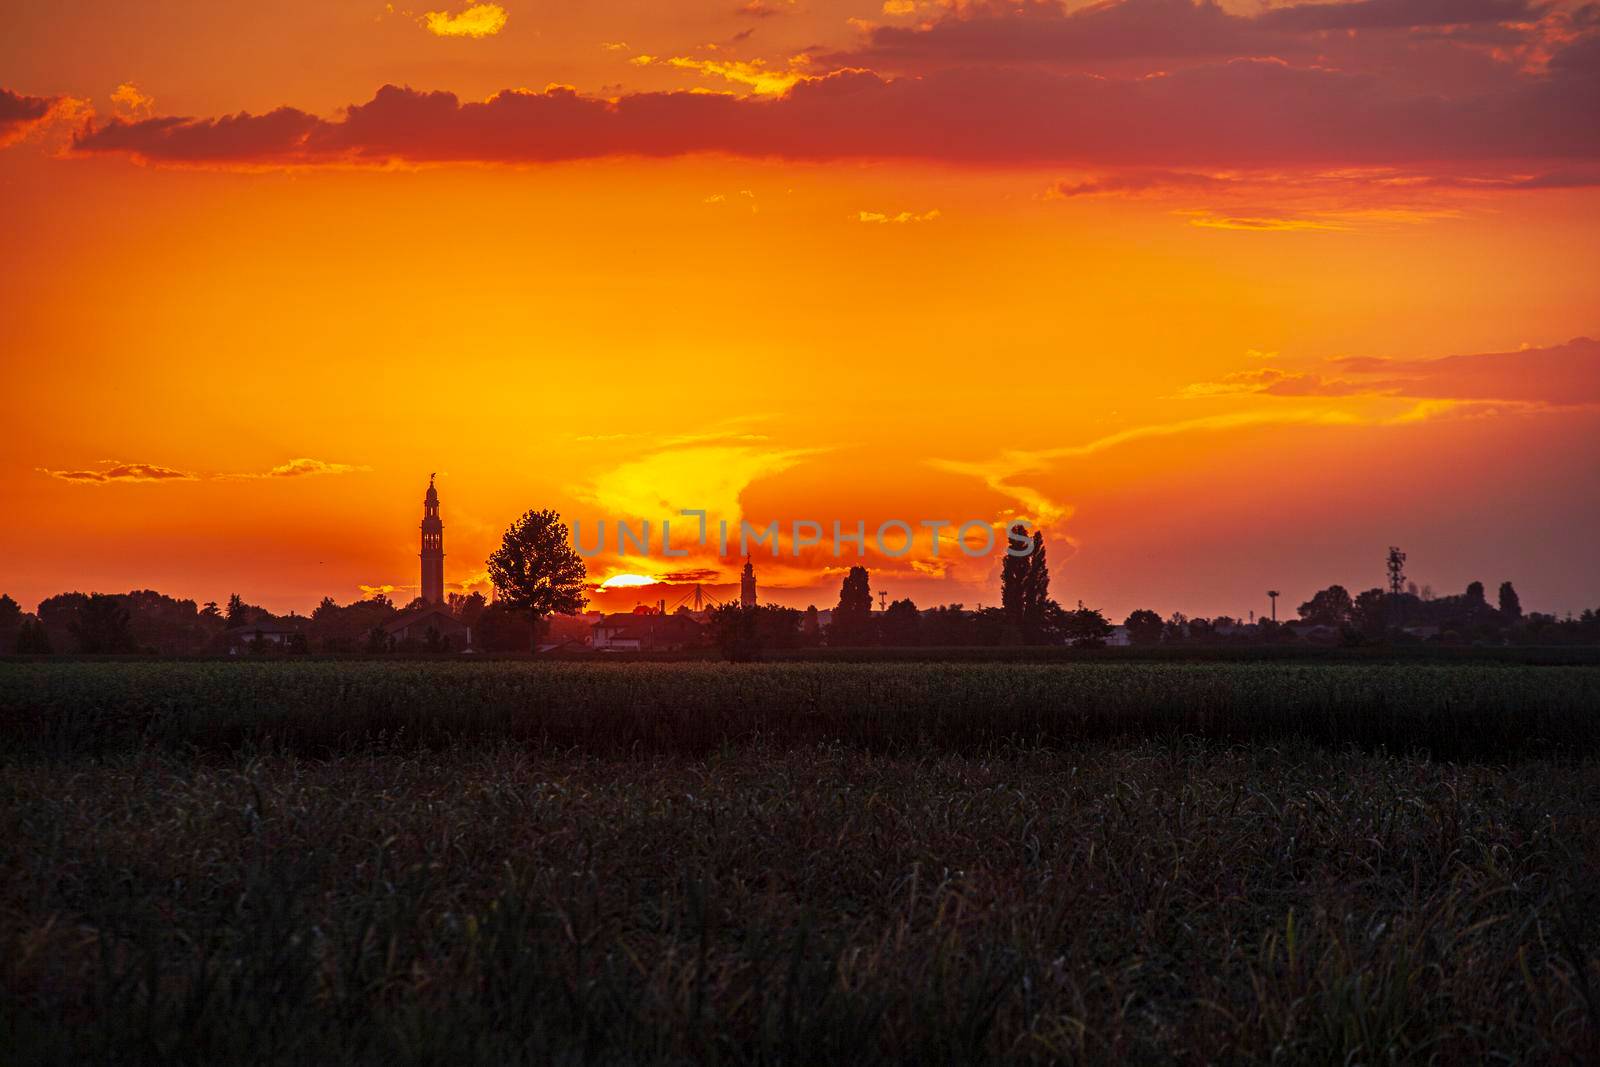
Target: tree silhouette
{"x":1330,"y":607}
{"x":1036,"y":592}
{"x":1177,"y":628}
{"x":901,"y":624}
{"x":1510,"y":603}
{"x":536,"y":570}
{"x":468,"y":608}
{"x":1014,"y":580}
{"x":736,"y":631}
{"x":10,"y":620}
{"x":1369,"y":614}
{"x":852,"y":618}
{"x":1085,"y":627}
{"x":811,"y":626}
{"x":102,"y":626}
{"x":32,"y":639}
{"x":1144,"y":627}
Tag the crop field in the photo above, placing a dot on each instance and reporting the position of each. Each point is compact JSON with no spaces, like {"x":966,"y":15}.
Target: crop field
{"x":802,"y":863}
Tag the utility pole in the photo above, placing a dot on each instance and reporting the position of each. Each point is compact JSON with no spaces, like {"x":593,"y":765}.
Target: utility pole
{"x":1397,"y":585}
{"x":1397,"y":571}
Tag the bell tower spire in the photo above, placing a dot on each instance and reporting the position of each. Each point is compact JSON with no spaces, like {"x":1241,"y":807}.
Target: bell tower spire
{"x":432,"y":547}
{"x":747,"y":585}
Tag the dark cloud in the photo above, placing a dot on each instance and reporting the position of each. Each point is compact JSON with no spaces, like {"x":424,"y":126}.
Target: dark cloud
{"x":1240,"y":113}
{"x":1556,"y":376}
{"x":1047,"y":32}
{"x":276,"y":137}
{"x":1042,"y":31}
{"x":1398,"y":14}
{"x":20,"y":115}
{"x":695,"y":576}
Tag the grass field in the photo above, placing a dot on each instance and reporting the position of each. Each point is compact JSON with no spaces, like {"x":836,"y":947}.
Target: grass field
{"x":799,"y":863}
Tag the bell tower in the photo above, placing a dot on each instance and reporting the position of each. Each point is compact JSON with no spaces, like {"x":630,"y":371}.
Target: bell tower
{"x":747,"y":585}
{"x":432,"y":547}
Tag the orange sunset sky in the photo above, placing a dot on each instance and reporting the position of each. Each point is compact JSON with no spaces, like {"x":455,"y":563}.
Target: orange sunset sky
{"x":1227,"y":296}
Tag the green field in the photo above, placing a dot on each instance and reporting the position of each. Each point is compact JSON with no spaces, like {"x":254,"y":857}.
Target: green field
{"x":799,"y":863}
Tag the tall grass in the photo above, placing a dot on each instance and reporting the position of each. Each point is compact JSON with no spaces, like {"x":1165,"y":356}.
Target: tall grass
{"x":321,"y":708}
{"x":1168,"y":901}
{"x":508,"y":863}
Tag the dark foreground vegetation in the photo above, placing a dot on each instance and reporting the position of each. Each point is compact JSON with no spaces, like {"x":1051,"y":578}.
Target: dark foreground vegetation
{"x":800,"y":863}
{"x":316,"y":708}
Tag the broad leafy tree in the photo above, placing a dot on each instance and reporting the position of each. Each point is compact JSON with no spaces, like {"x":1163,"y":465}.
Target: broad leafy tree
{"x":1084,"y":627}
{"x":1330,"y":607}
{"x":537,"y":571}
{"x":1144,"y":627}
{"x":102,"y":625}
{"x":902,"y":624}
{"x":1369,"y":614}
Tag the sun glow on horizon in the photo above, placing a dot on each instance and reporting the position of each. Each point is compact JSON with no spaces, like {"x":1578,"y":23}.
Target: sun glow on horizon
{"x":627,"y":581}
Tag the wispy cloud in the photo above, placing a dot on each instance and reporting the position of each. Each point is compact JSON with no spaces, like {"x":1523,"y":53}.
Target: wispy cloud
{"x":1556,"y":376}
{"x":118,"y":471}
{"x":113,"y":471}
{"x":899,"y":219}
{"x":304,"y":467}
{"x":1261,"y":224}
{"x":762,"y":9}
{"x":1001,"y":473}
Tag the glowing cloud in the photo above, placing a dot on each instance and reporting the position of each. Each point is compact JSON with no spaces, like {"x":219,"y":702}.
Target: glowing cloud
{"x":754,"y":73}
{"x":300,"y":468}
{"x":479,"y":20}
{"x":131,"y":103}
{"x":901,"y":219}
{"x":711,"y":477}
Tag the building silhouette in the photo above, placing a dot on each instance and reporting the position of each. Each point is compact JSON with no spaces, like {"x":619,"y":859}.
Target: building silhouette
{"x":747,"y":585}
{"x":432,"y":547}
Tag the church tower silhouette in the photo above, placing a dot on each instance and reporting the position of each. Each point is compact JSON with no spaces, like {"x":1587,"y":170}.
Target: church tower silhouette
{"x":747,"y":585}
{"x":432,"y":547}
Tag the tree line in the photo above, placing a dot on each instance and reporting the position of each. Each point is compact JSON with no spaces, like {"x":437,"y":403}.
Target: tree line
{"x":539,"y":590}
